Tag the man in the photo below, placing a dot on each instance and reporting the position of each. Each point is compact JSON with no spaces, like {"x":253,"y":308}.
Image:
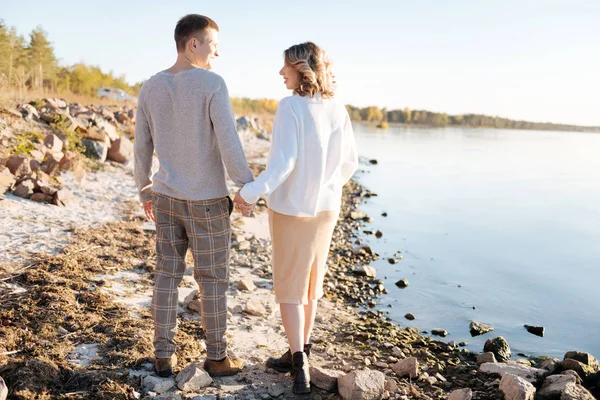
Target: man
{"x":184,"y":114}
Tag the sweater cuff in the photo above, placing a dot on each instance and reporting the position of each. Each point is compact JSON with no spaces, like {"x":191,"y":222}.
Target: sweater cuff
{"x":146,"y":194}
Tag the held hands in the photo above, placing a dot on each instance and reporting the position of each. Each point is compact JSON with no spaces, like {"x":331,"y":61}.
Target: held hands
{"x":240,"y":204}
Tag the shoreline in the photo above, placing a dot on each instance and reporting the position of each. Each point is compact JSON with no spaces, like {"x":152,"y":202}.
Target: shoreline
{"x":75,"y":320}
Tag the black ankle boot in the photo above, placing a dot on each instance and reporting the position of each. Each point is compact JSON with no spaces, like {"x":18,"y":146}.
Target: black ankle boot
{"x":284,"y":363}
{"x":301,"y":373}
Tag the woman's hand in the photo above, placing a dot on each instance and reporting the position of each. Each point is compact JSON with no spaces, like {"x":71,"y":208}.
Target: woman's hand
{"x":240,"y":204}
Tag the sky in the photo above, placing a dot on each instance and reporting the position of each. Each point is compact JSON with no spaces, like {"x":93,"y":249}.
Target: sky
{"x":536,"y":60}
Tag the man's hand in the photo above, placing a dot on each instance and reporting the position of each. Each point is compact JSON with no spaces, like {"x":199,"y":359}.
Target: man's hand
{"x":240,"y":204}
{"x":148,"y":211}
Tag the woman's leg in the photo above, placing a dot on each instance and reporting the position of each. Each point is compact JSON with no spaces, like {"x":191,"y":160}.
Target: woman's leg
{"x":293,"y":323}
{"x":310,"y":312}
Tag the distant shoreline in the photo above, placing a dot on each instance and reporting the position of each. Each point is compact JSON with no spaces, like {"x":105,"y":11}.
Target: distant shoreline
{"x":430,"y":126}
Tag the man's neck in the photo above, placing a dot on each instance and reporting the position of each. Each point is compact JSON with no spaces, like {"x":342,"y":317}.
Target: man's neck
{"x":184,"y":63}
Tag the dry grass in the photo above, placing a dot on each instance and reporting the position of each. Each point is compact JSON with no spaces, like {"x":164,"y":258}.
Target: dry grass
{"x":62,"y":293}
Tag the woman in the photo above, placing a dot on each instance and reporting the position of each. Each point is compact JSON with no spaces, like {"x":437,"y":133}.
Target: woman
{"x":312,"y":156}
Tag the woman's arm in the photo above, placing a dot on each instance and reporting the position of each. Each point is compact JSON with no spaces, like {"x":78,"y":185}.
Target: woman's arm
{"x":349,"y":153}
{"x":282,"y":157}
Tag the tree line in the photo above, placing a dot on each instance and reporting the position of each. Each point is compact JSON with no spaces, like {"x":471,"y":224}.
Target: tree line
{"x":428,"y":118}
{"x":29,"y":63}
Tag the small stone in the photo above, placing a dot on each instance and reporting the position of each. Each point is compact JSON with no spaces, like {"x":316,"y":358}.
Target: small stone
{"x":373,"y":162}
{"x":486,"y":358}
{"x":392,"y":261}
{"x":478,"y":328}
{"x":193,"y":378}
{"x":535,"y":330}
{"x":326,"y":379}
{"x":158,"y":385}
{"x":237,"y":309}
{"x":53,"y":143}
{"x":246,"y":285}
{"x":402,"y":283}
{"x":396,"y":352}
{"x":187,"y":294}
{"x":384,"y":214}
{"x":461,"y":394}
{"x":254,"y":307}
{"x":359,"y":385}
{"x":439,"y":332}
{"x":276,"y":390}
{"x":245,"y":245}
{"x":363,"y":270}
{"x":378,"y":234}
{"x":357,"y":215}
{"x":407,"y":367}
{"x":516,"y":388}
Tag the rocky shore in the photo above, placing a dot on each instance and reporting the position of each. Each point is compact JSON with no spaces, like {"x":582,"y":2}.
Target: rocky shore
{"x":76,"y":281}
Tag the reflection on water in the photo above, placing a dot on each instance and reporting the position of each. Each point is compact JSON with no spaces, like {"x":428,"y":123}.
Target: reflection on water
{"x":497,"y":226}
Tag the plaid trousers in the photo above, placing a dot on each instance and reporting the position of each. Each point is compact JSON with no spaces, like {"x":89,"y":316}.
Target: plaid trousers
{"x":203,"y":226}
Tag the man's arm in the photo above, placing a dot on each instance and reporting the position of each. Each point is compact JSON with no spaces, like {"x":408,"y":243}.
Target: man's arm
{"x":143,"y":149}
{"x":228,"y":138}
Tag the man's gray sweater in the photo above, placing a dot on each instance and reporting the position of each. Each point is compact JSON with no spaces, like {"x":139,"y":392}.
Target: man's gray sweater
{"x":186,"y":118}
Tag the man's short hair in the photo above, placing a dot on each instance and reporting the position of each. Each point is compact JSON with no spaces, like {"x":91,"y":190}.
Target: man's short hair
{"x":190,"y":26}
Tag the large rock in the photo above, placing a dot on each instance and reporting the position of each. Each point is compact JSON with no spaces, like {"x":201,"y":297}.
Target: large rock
{"x":582,"y":357}
{"x":121,"y":150}
{"x":42,"y":198}
{"x":29,"y":112}
{"x":54,"y":102}
{"x":95,"y":150}
{"x":362,"y":385}
{"x":193,"y":378}
{"x":549,"y":364}
{"x":255,"y":307}
{"x":326,"y":379}
{"x":478,"y":328}
{"x":554,"y":386}
{"x":3,"y":389}
{"x":488,"y":357}
{"x":63,"y":197}
{"x":69,"y":161}
{"x":499,"y":346}
{"x":7,"y":180}
{"x":461,"y":394}
{"x":107,"y":127}
{"x":530,"y":374}
{"x":576,"y":392}
{"x":583,"y":370}
{"x":516,"y":388}
{"x":407,"y":367}
{"x":19,"y":165}
{"x":158,"y":385}
{"x":53,"y":143}
{"x":24,"y":189}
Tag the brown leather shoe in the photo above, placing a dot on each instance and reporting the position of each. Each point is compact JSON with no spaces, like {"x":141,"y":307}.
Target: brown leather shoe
{"x":164,"y":366}
{"x":229,"y":366}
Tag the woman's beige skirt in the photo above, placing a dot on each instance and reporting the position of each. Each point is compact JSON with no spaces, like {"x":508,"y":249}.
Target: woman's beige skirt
{"x":300,"y":250}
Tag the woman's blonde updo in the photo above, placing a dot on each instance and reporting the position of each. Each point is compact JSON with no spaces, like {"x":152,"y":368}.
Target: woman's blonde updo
{"x":314,"y":67}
